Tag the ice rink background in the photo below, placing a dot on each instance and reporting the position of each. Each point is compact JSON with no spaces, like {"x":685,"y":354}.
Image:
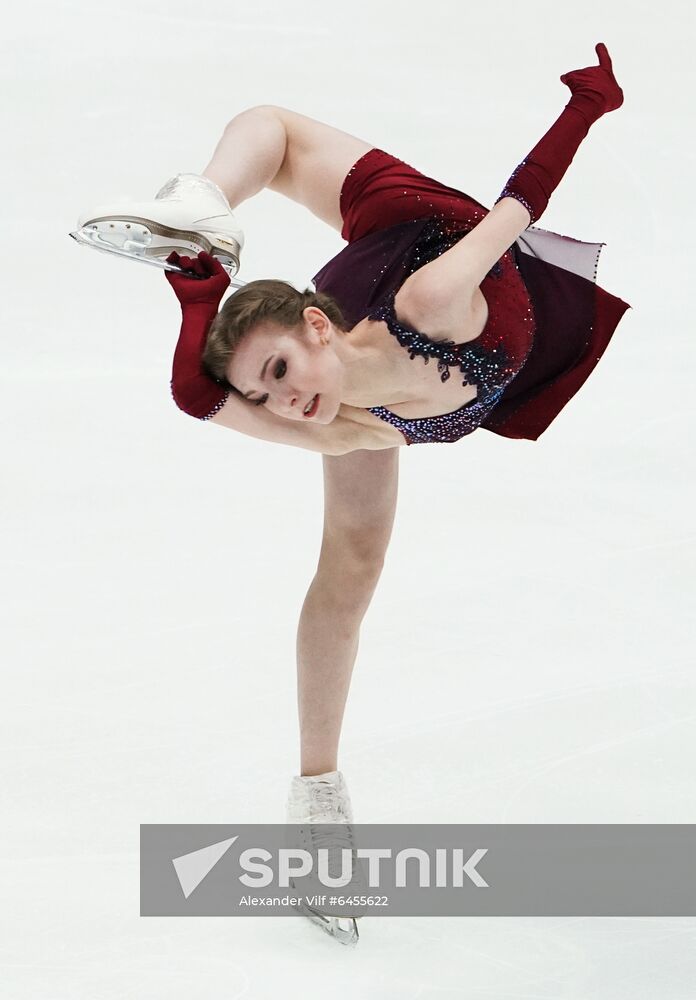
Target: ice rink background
{"x":528,"y":656}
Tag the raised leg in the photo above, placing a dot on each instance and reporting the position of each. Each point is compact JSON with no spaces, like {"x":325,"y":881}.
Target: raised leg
{"x":294,"y":155}
{"x":249,"y":154}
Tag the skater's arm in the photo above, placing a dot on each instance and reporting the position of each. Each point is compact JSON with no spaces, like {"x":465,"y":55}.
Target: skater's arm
{"x":439,"y":294}
{"x":450,"y":280}
{"x":336,"y":438}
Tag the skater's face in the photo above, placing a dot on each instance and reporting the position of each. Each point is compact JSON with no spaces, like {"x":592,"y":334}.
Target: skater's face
{"x":283,"y":369}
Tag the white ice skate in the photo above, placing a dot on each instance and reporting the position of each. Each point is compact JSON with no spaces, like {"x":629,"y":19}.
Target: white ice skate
{"x":189,"y":214}
{"x":319,"y":808}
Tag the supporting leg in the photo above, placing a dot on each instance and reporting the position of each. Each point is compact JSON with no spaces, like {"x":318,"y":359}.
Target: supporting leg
{"x":327,"y":646}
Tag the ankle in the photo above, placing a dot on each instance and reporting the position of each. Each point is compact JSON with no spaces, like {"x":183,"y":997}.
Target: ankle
{"x":326,"y":767}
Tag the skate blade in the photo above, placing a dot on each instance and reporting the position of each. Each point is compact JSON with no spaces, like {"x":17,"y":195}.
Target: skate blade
{"x":132,"y":239}
{"x":343,"y":929}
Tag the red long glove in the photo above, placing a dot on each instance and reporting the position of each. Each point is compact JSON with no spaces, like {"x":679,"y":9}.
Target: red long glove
{"x":594,"y":92}
{"x":193,"y":391}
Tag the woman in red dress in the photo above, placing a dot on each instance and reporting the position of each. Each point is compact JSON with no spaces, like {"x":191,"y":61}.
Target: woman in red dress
{"x":511,"y":310}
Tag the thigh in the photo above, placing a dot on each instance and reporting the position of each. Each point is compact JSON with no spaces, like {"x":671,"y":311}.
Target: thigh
{"x":360,"y":492}
{"x":317,"y":160}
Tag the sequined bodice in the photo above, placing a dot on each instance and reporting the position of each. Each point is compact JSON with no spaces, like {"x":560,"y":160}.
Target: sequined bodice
{"x":490,"y":361}
{"x":365,"y":278}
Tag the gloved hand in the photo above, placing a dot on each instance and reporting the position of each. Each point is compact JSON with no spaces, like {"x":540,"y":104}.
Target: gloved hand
{"x":209,"y":285}
{"x":594,"y":92}
{"x":192,"y":389}
{"x":595,"y":89}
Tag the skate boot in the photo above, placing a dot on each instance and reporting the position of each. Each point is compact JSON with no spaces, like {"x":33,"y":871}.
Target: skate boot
{"x":189,"y":214}
{"x":319,"y":808}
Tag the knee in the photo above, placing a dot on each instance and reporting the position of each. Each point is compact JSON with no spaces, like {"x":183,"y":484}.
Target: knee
{"x":358,"y":558}
{"x":264,"y":109}
{"x":349,"y":578}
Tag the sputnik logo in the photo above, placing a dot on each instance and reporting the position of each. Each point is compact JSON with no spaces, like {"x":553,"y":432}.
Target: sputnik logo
{"x":192,"y":868}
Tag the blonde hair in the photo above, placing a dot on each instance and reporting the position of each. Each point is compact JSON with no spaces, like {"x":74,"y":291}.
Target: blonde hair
{"x":267,"y":299}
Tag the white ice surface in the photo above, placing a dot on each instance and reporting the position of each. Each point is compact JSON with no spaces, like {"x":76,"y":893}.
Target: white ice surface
{"x":528,"y":656}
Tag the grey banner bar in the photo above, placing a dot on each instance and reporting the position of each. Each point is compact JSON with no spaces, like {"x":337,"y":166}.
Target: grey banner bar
{"x":422,"y":869}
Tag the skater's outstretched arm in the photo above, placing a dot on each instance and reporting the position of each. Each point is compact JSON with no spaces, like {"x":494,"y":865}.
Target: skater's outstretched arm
{"x":449,"y":281}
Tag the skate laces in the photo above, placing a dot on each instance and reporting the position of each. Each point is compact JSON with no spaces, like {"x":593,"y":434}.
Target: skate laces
{"x":327,"y":805}
{"x":182,"y":186}
{"x":335,"y":841}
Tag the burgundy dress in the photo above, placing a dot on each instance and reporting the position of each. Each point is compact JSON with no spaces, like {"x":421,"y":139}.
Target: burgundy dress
{"x":548,"y":321}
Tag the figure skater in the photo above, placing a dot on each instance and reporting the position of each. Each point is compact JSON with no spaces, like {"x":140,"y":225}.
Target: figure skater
{"x":511,"y":311}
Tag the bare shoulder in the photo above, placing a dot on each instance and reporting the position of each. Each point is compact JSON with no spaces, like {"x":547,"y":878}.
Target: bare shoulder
{"x":450,"y":279}
{"x":440,"y":316}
